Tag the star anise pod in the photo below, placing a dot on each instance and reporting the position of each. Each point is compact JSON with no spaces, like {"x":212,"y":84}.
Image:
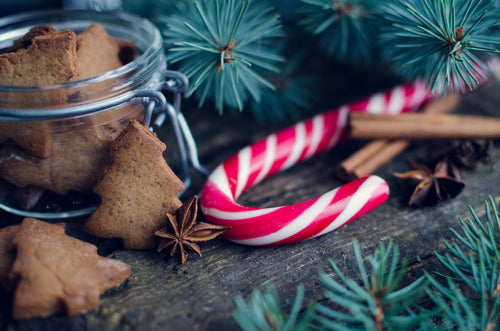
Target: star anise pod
{"x":427,"y":186}
{"x":464,"y":153}
{"x":183,"y":232}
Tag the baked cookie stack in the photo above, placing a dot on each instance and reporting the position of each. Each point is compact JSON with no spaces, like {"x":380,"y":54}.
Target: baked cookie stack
{"x":65,"y":155}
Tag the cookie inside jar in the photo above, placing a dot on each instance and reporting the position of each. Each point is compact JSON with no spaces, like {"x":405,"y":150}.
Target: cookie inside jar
{"x":49,"y":165}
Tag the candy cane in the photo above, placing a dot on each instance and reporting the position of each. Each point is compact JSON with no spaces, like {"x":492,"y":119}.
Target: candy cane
{"x":279,"y":151}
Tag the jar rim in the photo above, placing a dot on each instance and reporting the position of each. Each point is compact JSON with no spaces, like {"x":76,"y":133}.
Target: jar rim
{"x":22,"y":21}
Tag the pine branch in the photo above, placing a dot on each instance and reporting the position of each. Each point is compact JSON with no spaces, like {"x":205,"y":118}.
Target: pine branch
{"x":346,"y":29}
{"x":263,"y":312}
{"x":293,"y":96}
{"x":227,"y":47}
{"x":161,"y":10}
{"x":220,"y":46}
{"x":445,"y":42}
{"x":380,"y":302}
{"x":287,"y":9}
{"x":475,"y":271}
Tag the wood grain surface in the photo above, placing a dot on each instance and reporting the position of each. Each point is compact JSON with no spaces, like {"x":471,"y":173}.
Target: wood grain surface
{"x":199,"y":294}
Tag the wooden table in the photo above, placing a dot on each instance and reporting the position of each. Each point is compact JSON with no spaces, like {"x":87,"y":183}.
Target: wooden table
{"x":199,"y":294}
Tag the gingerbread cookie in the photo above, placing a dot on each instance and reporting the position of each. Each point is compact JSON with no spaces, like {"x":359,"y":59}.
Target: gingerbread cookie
{"x":50,"y":58}
{"x":57,"y":273}
{"x":97,"y":52}
{"x":7,"y":256}
{"x":78,"y":158}
{"x":77,"y":161}
{"x":136,"y":192}
{"x":34,"y":137}
{"x":69,"y":159}
{"x":27,"y":39}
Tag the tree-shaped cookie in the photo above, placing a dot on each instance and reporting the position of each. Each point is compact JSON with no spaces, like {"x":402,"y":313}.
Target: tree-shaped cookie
{"x":54,"y":272}
{"x":137,"y":191}
{"x":7,"y":255}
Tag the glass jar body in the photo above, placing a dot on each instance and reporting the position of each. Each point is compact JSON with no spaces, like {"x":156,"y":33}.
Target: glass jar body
{"x":55,"y":138}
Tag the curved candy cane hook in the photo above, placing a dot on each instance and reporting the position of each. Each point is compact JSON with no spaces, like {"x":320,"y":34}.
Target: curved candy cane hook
{"x":279,"y":151}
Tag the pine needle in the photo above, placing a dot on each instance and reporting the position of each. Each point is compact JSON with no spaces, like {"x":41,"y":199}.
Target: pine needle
{"x":446,"y":42}
{"x":232,"y":39}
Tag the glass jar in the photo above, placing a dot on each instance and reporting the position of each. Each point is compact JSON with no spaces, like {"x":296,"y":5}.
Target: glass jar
{"x":54,"y":138}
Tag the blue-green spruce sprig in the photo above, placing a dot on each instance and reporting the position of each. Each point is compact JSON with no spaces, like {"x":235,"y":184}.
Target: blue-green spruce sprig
{"x":263,"y":312}
{"x":161,"y":10}
{"x":293,"y":96}
{"x":380,"y":302}
{"x":219,"y":44}
{"x":473,"y":261}
{"x":287,"y":9}
{"x":346,"y":29}
{"x":445,"y":42}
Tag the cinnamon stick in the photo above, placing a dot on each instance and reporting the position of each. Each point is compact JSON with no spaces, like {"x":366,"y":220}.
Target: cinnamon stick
{"x":364,"y":162}
{"x":442,"y":105}
{"x":422,"y":126}
{"x":346,"y":169}
{"x":375,"y":154}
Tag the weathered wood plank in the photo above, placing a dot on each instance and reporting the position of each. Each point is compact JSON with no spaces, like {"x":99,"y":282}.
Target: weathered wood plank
{"x":198,"y":295}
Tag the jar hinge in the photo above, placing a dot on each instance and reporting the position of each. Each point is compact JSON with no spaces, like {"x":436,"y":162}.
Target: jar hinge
{"x":177,"y":83}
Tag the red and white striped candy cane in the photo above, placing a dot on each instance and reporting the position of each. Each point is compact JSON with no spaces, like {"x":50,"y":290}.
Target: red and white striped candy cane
{"x":279,"y":151}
